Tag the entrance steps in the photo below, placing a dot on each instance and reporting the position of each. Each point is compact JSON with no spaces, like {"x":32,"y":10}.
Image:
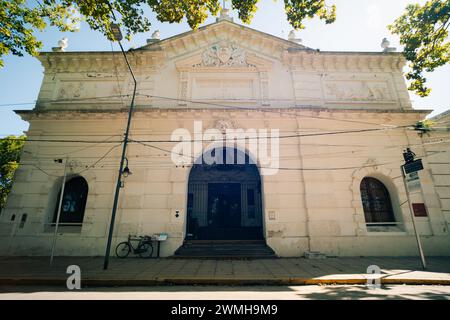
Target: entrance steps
{"x":225,"y":249}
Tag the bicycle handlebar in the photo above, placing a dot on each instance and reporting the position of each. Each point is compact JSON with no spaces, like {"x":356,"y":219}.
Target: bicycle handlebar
{"x":136,"y":237}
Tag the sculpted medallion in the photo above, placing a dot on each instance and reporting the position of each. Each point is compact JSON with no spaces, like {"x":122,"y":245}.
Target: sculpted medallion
{"x":228,"y":55}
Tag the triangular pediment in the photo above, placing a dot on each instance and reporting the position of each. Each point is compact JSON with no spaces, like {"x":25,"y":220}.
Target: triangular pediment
{"x":219,"y":33}
{"x":223,"y":56}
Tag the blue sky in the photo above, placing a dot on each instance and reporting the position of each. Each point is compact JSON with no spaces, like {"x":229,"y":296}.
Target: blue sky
{"x":360,"y":26}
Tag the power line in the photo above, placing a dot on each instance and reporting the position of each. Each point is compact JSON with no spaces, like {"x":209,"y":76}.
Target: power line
{"x":223,"y":139}
{"x":279,"y":111}
{"x":441,"y":141}
{"x":84,"y":170}
{"x":68,"y":99}
{"x":100,"y":159}
{"x":74,"y":99}
{"x":76,"y":151}
{"x":16,"y":104}
{"x":159,"y":166}
{"x":263,"y":109}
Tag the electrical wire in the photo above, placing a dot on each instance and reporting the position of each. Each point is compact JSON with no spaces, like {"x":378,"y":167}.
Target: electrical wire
{"x":76,"y":151}
{"x":205,"y":103}
{"x":100,"y":159}
{"x":224,"y":139}
{"x":159,"y":166}
{"x":73,"y":99}
{"x":279,"y":111}
{"x":269,"y":110}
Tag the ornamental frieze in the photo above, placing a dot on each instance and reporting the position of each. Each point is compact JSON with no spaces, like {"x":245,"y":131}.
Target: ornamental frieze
{"x":227,"y":55}
{"x":357,"y":91}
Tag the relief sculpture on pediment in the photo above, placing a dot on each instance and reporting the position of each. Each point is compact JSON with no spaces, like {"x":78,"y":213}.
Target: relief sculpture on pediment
{"x":71,"y":90}
{"x":357,"y":91}
{"x":76,"y":91}
{"x":229,"y":55}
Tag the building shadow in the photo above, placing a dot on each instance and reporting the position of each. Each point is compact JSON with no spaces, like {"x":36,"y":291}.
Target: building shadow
{"x":386,"y":292}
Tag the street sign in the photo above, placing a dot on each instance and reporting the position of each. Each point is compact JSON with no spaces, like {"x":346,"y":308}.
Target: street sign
{"x":412,"y":181}
{"x":413,"y":166}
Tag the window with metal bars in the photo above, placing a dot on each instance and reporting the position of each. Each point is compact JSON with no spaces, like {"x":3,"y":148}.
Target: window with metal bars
{"x":74,"y":202}
{"x":376,"y":202}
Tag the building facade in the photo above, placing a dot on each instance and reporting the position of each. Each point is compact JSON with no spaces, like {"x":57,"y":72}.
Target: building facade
{"x":334,"y":186}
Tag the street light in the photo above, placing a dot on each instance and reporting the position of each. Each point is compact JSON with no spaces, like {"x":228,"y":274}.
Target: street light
{"x":115,"y":29}
{"x":126,"y":171}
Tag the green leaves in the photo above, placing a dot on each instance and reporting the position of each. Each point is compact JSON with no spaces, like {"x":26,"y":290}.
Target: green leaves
{"x":246,"y":9}
{"x":10,"y":150}
{"x":424,"y":127}
{"x":19,"y":19}
{"x":423,"y":31}
{"x":298,"y":10}
{"x":195,"y":11}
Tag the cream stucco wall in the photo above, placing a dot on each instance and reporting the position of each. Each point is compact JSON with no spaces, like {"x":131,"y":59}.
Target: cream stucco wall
{"x":260,"y":82}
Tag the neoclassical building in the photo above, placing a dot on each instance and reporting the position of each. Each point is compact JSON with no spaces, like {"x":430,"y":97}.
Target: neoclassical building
{"x":343,"y":120}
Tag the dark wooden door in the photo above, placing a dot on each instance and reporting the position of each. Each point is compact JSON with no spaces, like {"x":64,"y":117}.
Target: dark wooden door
{"x":224,"y":211}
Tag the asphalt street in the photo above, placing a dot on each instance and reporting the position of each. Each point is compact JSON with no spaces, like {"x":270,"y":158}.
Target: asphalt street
{"x":322,"y":292}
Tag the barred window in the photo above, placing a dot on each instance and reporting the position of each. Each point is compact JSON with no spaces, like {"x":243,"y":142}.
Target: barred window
{"x":376,"y":201}
{"x":74,"y":202}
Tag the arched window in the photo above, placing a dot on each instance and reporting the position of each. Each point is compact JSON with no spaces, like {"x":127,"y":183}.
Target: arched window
{"x":74,"y":202}
{"x":376,"y":201}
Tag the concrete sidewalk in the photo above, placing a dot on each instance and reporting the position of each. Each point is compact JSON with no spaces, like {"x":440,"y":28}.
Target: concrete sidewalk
{"x":164,"y":271}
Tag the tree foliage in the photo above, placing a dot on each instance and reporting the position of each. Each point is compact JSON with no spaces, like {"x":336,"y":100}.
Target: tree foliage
{"x":19,"y":20}
{"x":10,"y":150}
{"x":423,"y":31}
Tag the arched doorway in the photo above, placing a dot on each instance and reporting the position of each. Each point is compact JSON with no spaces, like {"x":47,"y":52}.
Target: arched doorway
{"x":224,"y":199}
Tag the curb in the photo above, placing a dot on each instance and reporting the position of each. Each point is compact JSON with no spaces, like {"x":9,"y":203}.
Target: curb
{"x":215,"y":281}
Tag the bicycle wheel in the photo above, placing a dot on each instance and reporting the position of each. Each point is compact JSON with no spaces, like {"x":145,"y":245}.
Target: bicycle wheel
{"x":123,"y":250}
{"x":145,"y":250}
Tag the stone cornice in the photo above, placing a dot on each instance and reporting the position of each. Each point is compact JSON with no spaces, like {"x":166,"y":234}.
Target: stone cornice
{"x":56,"y":62}
{"x":159,"y":113}
{"x":222,"y":30}
{"x":344,"y":61}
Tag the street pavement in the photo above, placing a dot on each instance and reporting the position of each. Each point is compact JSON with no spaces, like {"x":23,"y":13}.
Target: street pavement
{"x":315,"y":292}
{"x":281,"y":271}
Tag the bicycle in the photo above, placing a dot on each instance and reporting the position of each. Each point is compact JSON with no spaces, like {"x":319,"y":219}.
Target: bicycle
{"x":144,"y":248}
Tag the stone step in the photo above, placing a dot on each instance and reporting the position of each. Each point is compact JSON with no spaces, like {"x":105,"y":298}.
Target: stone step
{"x":221,"y":249}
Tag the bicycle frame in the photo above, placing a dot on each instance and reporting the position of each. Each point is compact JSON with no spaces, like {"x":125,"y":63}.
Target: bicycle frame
{"x":141,"y":240}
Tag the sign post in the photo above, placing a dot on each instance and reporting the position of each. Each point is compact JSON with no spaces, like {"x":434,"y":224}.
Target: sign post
{"x":412,"y":183}
{"x":55,"y":234}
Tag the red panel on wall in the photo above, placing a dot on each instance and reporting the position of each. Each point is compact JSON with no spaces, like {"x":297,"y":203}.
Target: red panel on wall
{"x":419,"y":210}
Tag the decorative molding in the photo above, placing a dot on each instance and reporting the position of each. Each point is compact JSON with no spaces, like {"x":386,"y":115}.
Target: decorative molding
{"x":264,"y":82}
{"x":264,"y":43}
{"x":97,"y":62}
{"x":387,"y":176}
{"x":357,"y":91}
{"x":224,"y":71}
{"x":348,"y":61}
{"x":397,"y":117}
{"x":183,"y":85}
{"x":224,"y":55}
{"x":224,"y":124}
{"x":78,"y":90}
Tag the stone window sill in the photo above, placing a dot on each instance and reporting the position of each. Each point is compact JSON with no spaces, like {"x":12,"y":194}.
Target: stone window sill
{"x":63,"y":229}
{"x":384,"y":230}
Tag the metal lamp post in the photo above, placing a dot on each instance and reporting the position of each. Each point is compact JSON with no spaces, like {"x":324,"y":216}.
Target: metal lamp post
{"x":117,"y":37}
